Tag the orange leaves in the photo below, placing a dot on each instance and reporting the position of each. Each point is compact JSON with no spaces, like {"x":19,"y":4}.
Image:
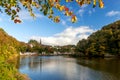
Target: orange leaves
{"x":17,"y":21}
{"x":82,"y":2}
{"x":47,"y":7}
{"x":56,"y":0}
{"x":62,"y":8}
{"x":101,"y":4}
{"x":66,"y":10}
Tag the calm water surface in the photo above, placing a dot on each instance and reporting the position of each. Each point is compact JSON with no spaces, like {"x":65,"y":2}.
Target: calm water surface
{"x":65,"y":68}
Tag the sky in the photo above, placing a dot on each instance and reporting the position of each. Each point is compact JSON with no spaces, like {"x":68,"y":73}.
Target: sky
{"x":65,"y":32}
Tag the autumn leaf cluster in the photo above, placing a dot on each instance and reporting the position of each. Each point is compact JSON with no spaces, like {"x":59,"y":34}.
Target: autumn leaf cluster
{"x":47,"y":7}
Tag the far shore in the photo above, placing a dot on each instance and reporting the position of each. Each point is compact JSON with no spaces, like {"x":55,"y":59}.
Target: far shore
{"x":66,"y":54}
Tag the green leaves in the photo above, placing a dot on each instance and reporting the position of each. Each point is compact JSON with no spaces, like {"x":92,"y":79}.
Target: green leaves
{"x":106,"y":40}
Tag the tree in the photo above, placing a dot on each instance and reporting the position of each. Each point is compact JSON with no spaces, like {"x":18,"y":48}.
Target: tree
{"x":102,"y":42}
{"x":47,"y":7}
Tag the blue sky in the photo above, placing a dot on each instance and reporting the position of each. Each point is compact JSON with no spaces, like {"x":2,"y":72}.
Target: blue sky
{"x":63,"y":33}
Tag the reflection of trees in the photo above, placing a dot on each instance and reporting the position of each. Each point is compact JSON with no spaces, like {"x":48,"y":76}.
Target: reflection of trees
{"x":33,"y":62}
{"x":111,"y":66}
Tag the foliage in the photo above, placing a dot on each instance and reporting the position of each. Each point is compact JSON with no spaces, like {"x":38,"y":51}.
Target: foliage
{"x":102,"y":42}
{"x":35,"y":46}
{"x":47,"y":7}
{"x":9,"y":49}
{"x":66,"y":48}
{"x":9,"y":72}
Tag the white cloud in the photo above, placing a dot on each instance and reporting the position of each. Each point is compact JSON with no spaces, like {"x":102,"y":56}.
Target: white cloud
{"x":25,"y":15}
{"x":63,"y":22}
{"x":82,"y":10}
{"x":70,"y":35}
{"x":113,"y":13}
{"x":84,"y":6}
{"x":91,"y":11}
{"x":1,"y":19}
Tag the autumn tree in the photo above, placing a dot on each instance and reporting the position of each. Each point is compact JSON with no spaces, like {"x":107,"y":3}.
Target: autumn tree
{"x":102,"y":42}
{"x":47,"y":7}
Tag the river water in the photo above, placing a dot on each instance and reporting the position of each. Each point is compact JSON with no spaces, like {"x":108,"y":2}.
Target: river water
{"x":66,"y":68}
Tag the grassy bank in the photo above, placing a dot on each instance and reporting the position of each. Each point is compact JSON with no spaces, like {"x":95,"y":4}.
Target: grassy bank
{"x":8,"y":71}
{"x":9,"y":50}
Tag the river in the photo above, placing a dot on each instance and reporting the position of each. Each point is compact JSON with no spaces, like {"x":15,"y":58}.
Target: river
{"x":66,"y":68}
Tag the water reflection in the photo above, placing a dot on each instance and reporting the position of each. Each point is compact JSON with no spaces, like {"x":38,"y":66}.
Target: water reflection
{"x":105,"y":65}
{"x":65,"y":68}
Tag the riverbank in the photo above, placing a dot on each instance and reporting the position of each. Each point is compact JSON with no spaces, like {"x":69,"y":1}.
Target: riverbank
{"x":95,"y":56}
{"x":9,"y":71}
{"x":67,"y":54}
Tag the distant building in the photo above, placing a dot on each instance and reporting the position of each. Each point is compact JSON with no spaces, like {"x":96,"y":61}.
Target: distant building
{"x":31,"y":45}
{"x":40,"y":41}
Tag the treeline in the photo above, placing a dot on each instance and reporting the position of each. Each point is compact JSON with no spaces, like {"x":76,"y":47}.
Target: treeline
{"x":35,"y":46}
{"x":103,"y":42}
{"x":9,"y":49}
{"x":38,"y":47}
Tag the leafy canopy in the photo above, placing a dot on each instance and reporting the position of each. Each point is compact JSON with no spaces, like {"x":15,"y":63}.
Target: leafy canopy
{"x":12,"y":8}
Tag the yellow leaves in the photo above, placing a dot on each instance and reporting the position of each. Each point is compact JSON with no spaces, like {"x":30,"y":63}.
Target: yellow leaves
{"x":69,"y":0}
{"x":24,"y":2}
{"x":74,"y":19}
{"x":62,"y":8}
{"x":50,"y":16}
{"x":67,"y":13}
{"x":101,"y":4}
{"x":57,"y":6}
{"x":88,"y":1}
{"x":51,"y":11}
{"x":94,"y":3}
{"x":57,"y":19}
{"x":82,"y":2}
{"x":35,"y":4}
{"x":12,"y":7}
{"x":32,"y":14}
{"x":77,"y":0}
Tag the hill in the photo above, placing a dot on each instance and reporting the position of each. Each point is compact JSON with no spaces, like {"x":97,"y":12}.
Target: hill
{"x":9,"y":50}
{"x":8,"y":45}
{"x":103,"y":42}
